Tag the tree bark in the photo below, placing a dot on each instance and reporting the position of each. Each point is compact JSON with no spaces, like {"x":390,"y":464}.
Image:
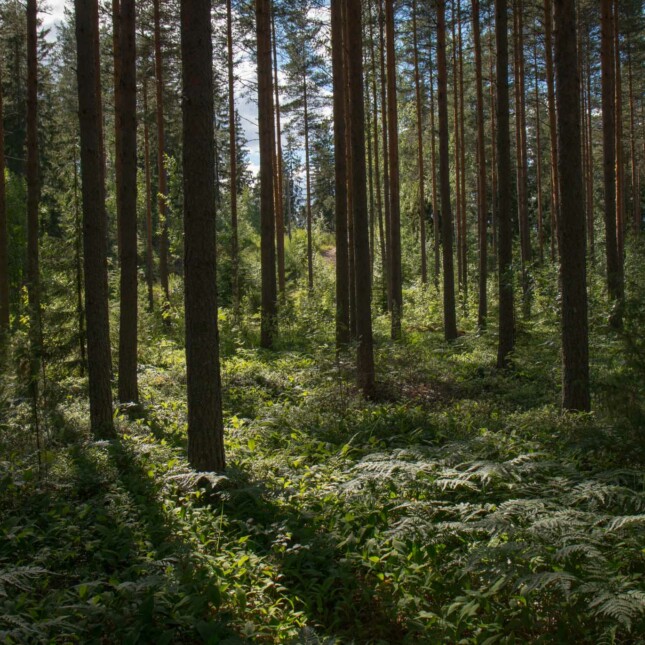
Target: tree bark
{"x":482,"y":208}
{"x":232,"y":140}
{"x":555,"y":182}
{"x":505,"y":242}
{"x":310,"y":250}
{"x":433,"y":163}
{"x":449,"y":312}
{"x":573,"y":279}
{"x":162,"y":189}
{"x":94,"y":221}
{"x":620,"y":168}
{"x":4,"y":240}
{"x":268,"y":323}
{"x":205,"y":426}
{"x":148,"y":181}
{"x":126,"y":120}
{"x":538,"y":161}
{"x":614,"y":265}
{"x":365,"y":352}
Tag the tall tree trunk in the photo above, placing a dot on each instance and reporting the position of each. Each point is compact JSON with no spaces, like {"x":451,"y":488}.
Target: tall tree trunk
{"x":340,"y":177}
{"x":126,"y":119}
{"x":636,"y":214}
{"x":435,"y":212}
{"x":462,"y":159}
{"x":78,"y":266}
{"x":457,"y":135}
{"x":620,"y":168}
{"x":449,"y":312}
{"x":614,"y":265}
{"x":420,"y":168}
{"x":162,"y":189}
{"x":573,"y":278}
{"x":310,"y":250}
{"x":377,"y":163}
{"x":521,"y":151}
{"x":205,"y":426}
{"x":33,"y":200}
{"x":4,"y":240}
{"x":590,"y":169}
{"x":148,"y":181}
{"x":505,"y":242}
{"x":94,"y":221}
{"x":232,"y":141}
{"x":555,"y":182}
{"x":493,"y":149}
{"x":395,"y":205}
{"x":482,"y":208}
{"x":268,"y":322}
{"x":278,"y":171}
{"x":538,"y":160}
{"x":365,"y":353}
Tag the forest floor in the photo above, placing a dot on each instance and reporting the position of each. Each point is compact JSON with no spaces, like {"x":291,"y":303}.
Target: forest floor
{"x":461,"y":506}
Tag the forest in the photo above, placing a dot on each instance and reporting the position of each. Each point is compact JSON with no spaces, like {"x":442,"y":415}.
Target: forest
{"x":322,"y":321}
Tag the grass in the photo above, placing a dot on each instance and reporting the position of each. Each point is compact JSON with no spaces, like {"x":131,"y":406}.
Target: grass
{"x":461,"y":506}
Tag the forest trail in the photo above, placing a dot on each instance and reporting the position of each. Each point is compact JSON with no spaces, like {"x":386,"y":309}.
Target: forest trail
{"x":330,"y":255}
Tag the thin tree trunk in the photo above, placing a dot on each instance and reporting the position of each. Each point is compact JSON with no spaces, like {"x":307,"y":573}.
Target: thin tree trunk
{"x":395,"y":205}
{"x":636,"y":215}
{"x":590,"y":169}
{"x":365,"y":353}
{"x":232,"y":141}
{"x":279,"y":216}
{"x":148,"y":180}
{"x":620,"y":168}
{"x":118,"y":156}
{"x":555,"y":183}
{"x":78,"y":266}
{"x":310,"y":246}
{"x":607,"y":61}
{"x":435,"y":213}
{"x":462,"y":159}
{"x":493,"y":148}
{"x":420,"y":168}
{"x":94,"y":221}
{"x":205,"y":426}
{"x":482,"y":207}
{"x":162,"y":189}
{"x":505,"y":242}
{"x":449,"y":312}
{"x":268,"y":324}
{"x":126,"y":119}
{"x":386,"y":159}
{"x":340,"y":177}
{"x":538,"y":160}
{"x":4,"y":240}
{"x":573,"y":278}
{"x":457,"y":133}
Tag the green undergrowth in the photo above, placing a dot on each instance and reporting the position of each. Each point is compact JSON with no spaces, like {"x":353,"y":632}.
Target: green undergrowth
{"x":460,"y":506}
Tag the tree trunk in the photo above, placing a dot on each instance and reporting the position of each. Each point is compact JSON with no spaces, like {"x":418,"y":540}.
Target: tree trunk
{"x":278,"y":173}
{"x":614,"y":265}
{"x":340,"y":177}
{"x":433,"y":152}
{"x":395,"y":206}
{"x":538,"y":161}
{"x":126,"y":120}
{"x":555,"y":182}
{"x":462,"y":160}
{"x":636,"y":214}
{"x":268,"y":322}
{"x":482,"y":208}
{"x":590,"y":169}
{"x":493,"y":150}
{"x":232,"y":140}
{"x":573,"y":278}
{"x":4,"y":240}
{"x":420,"y":168}
{"x":505,"y":242}
{"x":620,"y":168}
{"x":94,"y":221}
{"x":148,"y":180}
{"x":162,"y":189}
{"x":457,"y":135}
{"x":78,"y":266}
{"x":365,"y":354}
{"x":205,"y":427}
{"x":310,"y":248}
{"x":449,"y":313}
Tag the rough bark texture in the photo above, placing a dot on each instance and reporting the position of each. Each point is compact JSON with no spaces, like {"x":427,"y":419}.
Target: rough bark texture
{"x":340,"y":177}
{"x":614,"y":268}
{"x":365,"y":352}
{"x":573,"y":277}
{"x":310,"y":248}
{"x":449,"y":313}
{"x":148,"y":182}
{"x":126,"y":119}
{"x":94,"y":221}
{"x":162,"y":189}
{"x":505,"y":242}
{"x":482,"y":213}
{"x":235,"y":278}
{"x":4,"y":242}
{"x":205,"y":427}
{"x":267,"y":221}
